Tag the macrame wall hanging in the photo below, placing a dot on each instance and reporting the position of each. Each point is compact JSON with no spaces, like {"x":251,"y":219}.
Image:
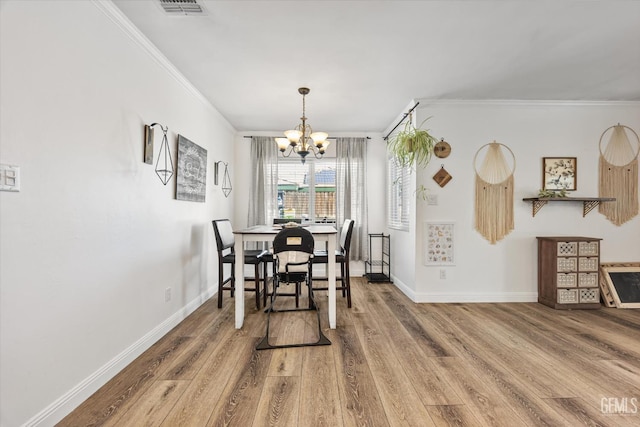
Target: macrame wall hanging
{"x":494,"y":192}
{"x":619,"y":174}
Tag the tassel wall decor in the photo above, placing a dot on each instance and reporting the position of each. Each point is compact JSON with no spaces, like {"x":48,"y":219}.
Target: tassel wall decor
{"x":618,"y":175}
{"x":494,"y":193}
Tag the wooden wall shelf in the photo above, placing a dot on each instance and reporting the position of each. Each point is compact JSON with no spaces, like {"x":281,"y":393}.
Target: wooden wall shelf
{"x":588,"y":203}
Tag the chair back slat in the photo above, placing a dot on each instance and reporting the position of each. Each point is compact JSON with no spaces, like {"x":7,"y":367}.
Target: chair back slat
{"x":224,"y":234}
{"x":345,"y":234}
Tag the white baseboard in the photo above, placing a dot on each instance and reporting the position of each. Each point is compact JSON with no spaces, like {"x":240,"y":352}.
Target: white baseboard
{"x":428,"y":297}
{"x":81,"y":392}
{"x":434,"y":297}
{"x":410,"y":293}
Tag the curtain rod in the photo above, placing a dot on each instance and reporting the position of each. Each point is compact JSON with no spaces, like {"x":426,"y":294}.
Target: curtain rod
{"x":401,"y":120}
{"x":330,"y":137}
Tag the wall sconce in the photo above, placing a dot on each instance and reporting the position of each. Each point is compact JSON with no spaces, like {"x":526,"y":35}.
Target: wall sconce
{"x":226,"y":180}
{"x":164,"y":165}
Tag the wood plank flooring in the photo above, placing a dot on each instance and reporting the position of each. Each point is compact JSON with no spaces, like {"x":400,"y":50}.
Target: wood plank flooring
{"x":391,"y":363}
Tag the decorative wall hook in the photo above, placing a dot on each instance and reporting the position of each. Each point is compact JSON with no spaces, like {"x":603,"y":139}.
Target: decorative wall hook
{"x":226,"y":180}
{"x":164,"y":165}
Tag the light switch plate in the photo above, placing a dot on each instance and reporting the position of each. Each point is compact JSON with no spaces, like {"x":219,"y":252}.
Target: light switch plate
{"x":9,"y":178}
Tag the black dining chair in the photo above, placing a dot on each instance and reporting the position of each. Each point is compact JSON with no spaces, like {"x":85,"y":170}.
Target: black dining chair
{"x":225,"y":241}
{"x":292,"y":263}
{"x":268,"y":258}
{"x":342,"y":258}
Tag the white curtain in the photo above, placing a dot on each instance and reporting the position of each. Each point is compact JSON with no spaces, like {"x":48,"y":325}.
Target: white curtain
{"x":351,"y":191}
{"x":263,"y":199}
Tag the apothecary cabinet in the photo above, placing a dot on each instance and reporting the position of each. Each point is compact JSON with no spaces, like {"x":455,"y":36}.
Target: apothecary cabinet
{"x":568,"y":272}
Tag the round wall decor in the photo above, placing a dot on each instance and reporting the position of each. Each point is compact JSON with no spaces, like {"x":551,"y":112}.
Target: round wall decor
{"x":442,"y":149}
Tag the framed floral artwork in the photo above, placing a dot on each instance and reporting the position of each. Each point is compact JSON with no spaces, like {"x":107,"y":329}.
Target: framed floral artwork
{"x":559,"y":173}
{"x":439,"y":243}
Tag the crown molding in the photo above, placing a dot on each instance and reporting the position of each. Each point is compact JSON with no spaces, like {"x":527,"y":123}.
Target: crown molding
{"x":123,"y":23}
{"x":518,"y":102}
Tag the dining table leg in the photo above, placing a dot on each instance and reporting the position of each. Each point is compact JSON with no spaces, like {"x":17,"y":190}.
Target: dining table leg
{"x":239,"y":285}
{"x":331,"y":275}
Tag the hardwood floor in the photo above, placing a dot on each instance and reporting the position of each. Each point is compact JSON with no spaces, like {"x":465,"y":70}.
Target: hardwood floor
{"x":391,"y":362}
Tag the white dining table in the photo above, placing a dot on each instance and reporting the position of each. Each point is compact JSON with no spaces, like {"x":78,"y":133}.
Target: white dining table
{"x":266,"y":233}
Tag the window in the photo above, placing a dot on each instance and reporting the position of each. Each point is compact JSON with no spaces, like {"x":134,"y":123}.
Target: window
{"x":297,"y":181}
{"x":398,"y":195}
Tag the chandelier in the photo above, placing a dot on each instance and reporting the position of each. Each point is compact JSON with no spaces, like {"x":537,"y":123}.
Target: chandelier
{"x":303,"y":140}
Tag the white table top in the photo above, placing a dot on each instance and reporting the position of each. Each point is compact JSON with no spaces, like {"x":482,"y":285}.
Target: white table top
{"x":274,"y":229}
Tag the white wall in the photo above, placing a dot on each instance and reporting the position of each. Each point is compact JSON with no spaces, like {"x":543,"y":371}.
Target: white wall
{"x":93,"y":238}
{"x":507,"y":271}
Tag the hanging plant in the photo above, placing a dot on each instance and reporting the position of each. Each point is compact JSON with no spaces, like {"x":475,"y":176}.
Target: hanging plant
{"x":412,"y":146}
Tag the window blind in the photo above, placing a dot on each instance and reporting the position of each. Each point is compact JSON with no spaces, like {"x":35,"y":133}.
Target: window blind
{"x":398,"y":195}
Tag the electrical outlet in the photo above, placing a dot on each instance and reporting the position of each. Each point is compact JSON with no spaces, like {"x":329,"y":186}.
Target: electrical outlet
{"x":432,"y":200}
{"x":167,"y":295}
{"x":443,"y":274}
{"x":9,"y":178}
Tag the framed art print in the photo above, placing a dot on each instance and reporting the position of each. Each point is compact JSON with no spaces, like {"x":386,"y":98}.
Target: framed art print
{"x":559,"y":173}
{"x":439,"y":243}
{"x":192,"y":171}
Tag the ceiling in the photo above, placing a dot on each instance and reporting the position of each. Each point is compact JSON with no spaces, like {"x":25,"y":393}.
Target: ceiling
{"x":364,"y":61}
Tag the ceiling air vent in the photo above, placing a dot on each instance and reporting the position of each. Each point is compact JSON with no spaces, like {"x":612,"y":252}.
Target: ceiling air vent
{"x":182,"y":7}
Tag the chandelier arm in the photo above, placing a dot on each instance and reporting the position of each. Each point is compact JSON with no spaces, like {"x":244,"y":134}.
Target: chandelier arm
{"x":288,"y":151}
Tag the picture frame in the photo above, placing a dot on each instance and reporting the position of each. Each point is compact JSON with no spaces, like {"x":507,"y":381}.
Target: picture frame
{"x":559,"y":173}
{"x":439,"y":241}
{"x":191,"y":182}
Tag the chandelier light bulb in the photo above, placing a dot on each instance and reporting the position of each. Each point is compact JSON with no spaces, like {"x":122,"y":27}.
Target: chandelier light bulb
{"x":323,"y":147}
{"x":283,"y":143}
{"x":319,"y":138}
{"x":293,"y":135}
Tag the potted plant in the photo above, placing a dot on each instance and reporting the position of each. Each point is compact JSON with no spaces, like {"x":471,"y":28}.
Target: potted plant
{"x":412,"y":146}
{"x":551,"y":194}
